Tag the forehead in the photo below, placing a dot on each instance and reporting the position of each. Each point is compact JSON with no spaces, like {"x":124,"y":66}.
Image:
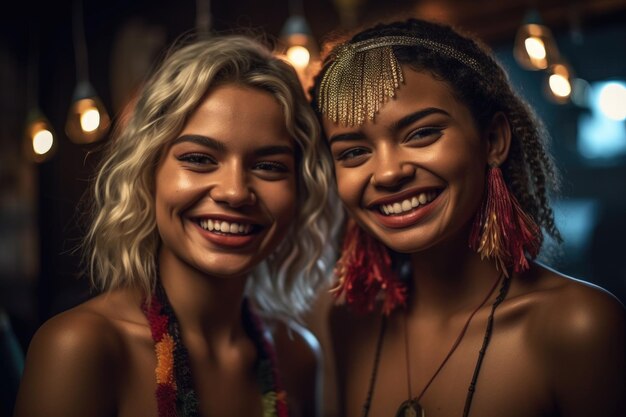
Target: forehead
{"x":420,"y":90}
{"x":234,"y":111}
{"x":235,"y":102}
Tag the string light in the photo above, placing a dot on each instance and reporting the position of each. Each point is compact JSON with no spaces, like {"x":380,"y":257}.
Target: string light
{"x":297,"y":45}
{"x":39,"y":138}
{"x":299,"y":56}
{"x":559,"y":82}
{"x":535,"y":47}
{"x":87,"y":120}
{"x":39,"y":141}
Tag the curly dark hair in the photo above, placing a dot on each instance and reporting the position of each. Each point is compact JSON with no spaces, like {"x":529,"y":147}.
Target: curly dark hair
{"x":529,"y":169}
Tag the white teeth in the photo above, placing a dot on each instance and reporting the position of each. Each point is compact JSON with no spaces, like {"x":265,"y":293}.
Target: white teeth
{"x":408,"y":204}
{"x":225,"y":227}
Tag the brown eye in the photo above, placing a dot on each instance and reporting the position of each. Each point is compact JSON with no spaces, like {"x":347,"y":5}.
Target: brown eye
{"x":197,"y":159}
{"x":424,"y":136}
{"x":271,"y":166}
{"x":351,"y":154}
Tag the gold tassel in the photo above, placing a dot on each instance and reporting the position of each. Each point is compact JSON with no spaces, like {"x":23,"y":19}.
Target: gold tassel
{"x":361,"y":77}
{"x":356,"y":85}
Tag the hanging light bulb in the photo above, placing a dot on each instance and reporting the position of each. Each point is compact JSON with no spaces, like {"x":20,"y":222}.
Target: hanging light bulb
{"x":297,"y":45}
{"x":39,"y":141}
{"x":299,"y":56}
{"x":559,"y":83}
{"x":87,"y":119}
{"x":535,"y":47}
{"x":39,"y":138}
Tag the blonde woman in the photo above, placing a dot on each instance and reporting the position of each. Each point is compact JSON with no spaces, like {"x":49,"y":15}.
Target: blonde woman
{"x":208,"y":214}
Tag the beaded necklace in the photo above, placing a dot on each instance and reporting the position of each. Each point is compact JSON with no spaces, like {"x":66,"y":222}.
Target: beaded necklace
{"x":411,"y":407}
{"x":175,"y":394}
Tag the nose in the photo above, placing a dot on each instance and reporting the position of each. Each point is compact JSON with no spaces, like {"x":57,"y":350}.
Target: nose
{"x":232,"y":187}
{"x":391,"y":171}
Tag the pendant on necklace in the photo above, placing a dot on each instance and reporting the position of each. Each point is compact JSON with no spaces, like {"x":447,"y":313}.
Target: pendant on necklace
{"x":410,"y":408}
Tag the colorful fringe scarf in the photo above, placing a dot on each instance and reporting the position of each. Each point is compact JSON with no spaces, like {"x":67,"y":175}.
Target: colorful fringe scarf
{"x":175,"y":394}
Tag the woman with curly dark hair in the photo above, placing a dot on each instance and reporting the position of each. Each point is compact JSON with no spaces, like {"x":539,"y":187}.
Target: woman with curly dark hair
{"x":446,"y":175}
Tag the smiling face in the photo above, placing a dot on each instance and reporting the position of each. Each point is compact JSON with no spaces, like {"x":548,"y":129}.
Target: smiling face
{"x":226,"y":187}
{"x":413,"y":177}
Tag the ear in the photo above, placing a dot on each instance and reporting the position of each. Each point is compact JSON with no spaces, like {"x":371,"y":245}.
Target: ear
{"x":498,"y":139}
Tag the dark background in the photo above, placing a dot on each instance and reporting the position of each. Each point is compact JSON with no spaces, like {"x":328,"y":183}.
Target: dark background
{"x":40,"y":223}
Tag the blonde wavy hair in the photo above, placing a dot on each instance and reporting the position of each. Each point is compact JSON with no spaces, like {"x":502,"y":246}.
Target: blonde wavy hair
{"x":122,"y":242}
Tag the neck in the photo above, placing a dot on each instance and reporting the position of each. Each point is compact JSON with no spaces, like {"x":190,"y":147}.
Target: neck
{"x":449,"y":277}
{"x":205,"y":305}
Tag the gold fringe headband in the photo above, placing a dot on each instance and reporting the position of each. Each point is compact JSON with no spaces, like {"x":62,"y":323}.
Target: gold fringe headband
{"x":364,"y":75}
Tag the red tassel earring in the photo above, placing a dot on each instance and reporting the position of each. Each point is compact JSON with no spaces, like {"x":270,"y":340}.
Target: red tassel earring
{"x":502,"y":230}
{"x":365,"y":273}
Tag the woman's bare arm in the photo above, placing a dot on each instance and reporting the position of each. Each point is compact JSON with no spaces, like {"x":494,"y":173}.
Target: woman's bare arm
{"x":71,"y":368}
{"x":582,"y":337}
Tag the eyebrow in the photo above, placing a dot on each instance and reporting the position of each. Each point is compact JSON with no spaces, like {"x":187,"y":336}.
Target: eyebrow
{"x":398,"y":125}
{"x":221,"y":147}
{"x":345,"y":137}
{"x":201,"y":140}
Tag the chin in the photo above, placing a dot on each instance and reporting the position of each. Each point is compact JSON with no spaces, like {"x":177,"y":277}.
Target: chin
{"x":419,"y":237}
{"x":224,"y":266}
{"x":406,"y":246}
{"x":226,"y":273}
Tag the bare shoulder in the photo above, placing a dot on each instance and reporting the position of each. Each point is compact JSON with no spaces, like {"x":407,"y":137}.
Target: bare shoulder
{"x":91,"y":329}
{"x":577,"y":333}
{"x":86,"y":325}
{"x":572,"y":311}
{"x":73,"y":364}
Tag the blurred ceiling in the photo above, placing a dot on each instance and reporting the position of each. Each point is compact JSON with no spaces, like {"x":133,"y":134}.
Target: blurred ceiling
{"x":48,"y":24}
{"x":494,"y":21}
